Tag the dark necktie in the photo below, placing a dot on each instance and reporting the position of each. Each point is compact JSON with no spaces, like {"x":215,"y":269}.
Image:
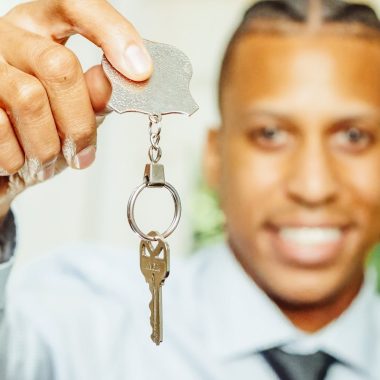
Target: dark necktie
{"x":298,"y":367}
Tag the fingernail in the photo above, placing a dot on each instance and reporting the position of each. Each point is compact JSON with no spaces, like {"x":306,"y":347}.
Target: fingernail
{"x":47,"y":172}
{"x":3,"y":173}
{"x":137,"y":60}
{"x":99,"y":120}
{"x":85,"y":158}
{"x":34,"y":167}
{"x":69,"y":149}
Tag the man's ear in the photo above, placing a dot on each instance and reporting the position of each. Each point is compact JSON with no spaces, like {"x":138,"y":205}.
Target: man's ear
{"x":212,"y":159}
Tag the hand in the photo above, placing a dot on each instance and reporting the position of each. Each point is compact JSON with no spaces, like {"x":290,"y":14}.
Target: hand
{"x":47,"y":104}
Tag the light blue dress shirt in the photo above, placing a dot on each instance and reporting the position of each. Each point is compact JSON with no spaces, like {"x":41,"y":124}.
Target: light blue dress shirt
{"x":82,"y":314}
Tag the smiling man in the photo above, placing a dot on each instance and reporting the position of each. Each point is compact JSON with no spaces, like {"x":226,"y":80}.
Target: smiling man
{"x":296,"y":163}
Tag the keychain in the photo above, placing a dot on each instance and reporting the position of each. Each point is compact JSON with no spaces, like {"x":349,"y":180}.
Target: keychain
{"x":166,"y":92}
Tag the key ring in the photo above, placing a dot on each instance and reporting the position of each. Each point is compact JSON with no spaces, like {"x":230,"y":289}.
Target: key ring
{"x":131,"y":210}
{"x":154,"y":176}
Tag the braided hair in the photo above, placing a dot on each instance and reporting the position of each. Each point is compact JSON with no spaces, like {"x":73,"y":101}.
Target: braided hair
{"x":287,"y":16}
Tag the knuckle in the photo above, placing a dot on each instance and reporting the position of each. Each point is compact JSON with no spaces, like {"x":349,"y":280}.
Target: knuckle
{"x":30,"y":95}
{"x":69,"y":9}
{"x":58,"y":64}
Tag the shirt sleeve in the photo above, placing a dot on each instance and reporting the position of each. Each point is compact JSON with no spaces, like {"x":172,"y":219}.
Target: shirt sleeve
{"x":7,"y":248}
{"x":5,"y":270}
{"x":65,"y":312}
{"x":23,"y":352}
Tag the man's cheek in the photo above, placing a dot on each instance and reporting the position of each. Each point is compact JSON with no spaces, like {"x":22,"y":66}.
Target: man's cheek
{"x":366,"y":199}
{"x":366,"y":209}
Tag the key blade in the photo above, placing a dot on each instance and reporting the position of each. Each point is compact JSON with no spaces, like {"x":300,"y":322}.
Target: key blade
{"x":155,"y":307}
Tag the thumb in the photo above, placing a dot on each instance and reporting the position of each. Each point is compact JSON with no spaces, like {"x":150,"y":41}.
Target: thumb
{"x":102,"y":24}
{"x":99,"y":88}
{"x":96,"y":20}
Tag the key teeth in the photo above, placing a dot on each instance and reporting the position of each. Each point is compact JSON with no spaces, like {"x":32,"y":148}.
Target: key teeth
{"x":151,"y":315}
{"x":155,"y":339}
{"x":153,"y":336}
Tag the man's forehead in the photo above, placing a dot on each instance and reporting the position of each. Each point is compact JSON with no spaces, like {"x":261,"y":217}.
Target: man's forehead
{"x":265,"y":64}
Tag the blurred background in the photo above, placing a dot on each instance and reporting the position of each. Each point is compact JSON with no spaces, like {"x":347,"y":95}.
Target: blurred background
{"x":91,"y":205}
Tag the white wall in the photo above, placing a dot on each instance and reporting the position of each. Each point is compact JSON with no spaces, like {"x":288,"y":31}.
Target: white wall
{"x":91,"y":205}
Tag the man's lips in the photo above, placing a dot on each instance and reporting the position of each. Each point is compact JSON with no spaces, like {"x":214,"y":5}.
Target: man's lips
{"x":308,"y":245}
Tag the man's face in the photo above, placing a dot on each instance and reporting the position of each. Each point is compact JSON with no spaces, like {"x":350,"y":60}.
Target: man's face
{"x":298,"y":162}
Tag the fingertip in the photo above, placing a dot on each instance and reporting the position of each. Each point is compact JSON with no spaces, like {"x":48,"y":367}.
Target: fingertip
{"x":99,"y":88}
{"x":138,"y":62}
{"x":134,"y":62}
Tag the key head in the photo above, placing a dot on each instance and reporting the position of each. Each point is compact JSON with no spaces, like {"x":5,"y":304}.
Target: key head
{"x":154,"y":260}
{"x":166,"y":92}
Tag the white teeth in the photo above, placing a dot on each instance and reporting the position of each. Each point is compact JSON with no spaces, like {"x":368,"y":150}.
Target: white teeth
{"x":311,"y":235}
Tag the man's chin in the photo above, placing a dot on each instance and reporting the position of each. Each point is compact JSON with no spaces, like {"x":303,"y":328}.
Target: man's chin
{"x":302,"y":286}
{"x":308,"y":290}
{"x":305,"y":298}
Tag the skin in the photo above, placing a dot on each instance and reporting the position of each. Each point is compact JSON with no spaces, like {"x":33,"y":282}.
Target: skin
{"x":46,"y":100}
{"x":300,"y":146}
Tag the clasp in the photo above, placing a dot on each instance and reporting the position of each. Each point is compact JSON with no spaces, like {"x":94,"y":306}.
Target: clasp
{"x":154,"y":175}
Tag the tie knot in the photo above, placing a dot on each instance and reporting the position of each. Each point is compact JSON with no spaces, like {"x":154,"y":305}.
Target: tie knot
{"x":298,"y":367}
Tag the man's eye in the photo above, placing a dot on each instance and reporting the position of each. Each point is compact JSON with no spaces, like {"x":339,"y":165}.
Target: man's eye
{"x":353,"y":139}
{"x":269,"y":137}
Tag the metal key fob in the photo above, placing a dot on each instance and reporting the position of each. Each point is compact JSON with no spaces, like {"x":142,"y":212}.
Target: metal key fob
{"x":166,"y":92}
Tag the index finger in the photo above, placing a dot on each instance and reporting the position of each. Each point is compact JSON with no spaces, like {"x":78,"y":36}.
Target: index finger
{"x":97,"y":21}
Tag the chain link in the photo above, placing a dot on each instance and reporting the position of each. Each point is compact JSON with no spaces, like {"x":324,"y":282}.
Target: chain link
{"x":155,"y":151}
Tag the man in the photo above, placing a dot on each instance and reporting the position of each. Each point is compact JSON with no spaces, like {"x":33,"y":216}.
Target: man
{"x":296,"y":163}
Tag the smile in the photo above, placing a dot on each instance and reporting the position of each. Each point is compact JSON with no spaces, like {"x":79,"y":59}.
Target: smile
{"x":310,"y":236}
{"x":308,"y":246}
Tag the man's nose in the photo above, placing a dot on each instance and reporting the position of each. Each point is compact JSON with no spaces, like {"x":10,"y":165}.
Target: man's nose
{"x":312,"y":180}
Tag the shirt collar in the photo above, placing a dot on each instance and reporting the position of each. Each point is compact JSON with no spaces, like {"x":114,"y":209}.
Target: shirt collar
{"x":241,"y":319}
{"x":348,"y":338}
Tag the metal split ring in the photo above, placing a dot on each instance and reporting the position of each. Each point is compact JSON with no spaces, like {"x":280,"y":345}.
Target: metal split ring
{"x":131,"y":211}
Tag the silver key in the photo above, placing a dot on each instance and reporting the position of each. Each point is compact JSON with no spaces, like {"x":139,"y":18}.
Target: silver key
{"x":154,"y":265}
